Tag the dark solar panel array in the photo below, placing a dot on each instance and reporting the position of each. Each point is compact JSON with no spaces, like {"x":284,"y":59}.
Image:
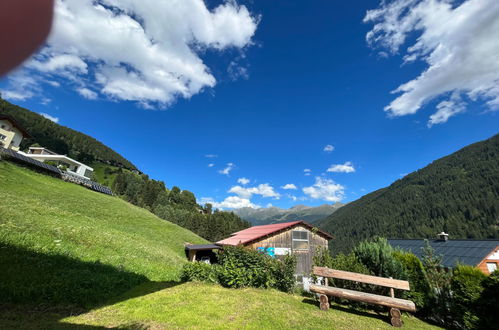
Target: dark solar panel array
{"x":453,"y":252}
{"x":33,"y":162}
{"x":11,"y":154}
{"x":88,"y":183}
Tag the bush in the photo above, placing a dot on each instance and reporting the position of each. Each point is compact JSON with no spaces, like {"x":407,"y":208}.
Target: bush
{"x":241,"y":267}
{"x":378,"y":256}
{"x":466,"y":287}
{"x":489,"y":300}
{"x":199,"y":272}
{"x":417,"y":277}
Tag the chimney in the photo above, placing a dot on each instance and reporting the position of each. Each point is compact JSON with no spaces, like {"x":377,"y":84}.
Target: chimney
{"x":443,"y":236}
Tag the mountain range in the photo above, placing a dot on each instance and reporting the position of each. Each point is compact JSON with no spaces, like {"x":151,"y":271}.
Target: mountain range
{"x":264,"y":216}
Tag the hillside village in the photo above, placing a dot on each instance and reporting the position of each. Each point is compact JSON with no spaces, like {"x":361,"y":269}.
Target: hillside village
{"x":240,"y":183}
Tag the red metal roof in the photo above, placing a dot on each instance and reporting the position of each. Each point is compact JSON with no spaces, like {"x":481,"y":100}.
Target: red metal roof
{"x":251,"y":234}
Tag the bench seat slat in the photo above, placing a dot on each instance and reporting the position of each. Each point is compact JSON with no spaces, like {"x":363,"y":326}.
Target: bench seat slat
{"x":370,"y":298}
{"x":376,"y":280}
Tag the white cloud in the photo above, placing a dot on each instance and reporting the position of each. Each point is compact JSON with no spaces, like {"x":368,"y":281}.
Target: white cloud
{"x":458,"y":42}
{"x":328,"y":148}
{"x":264,"y":190}
{"x":292,"y":197}
{"x":211,"y":165}
{"x":325,"y":189}
{"x":87,"y":93}
{"x":243,"y":181}
{"x":307,"y":171}
{"x":227,"y":169}
{"x":231,"y":202}
{"x":211,"y":156}
{"x":289,"y":186}
{"x":49,"y":117}
{"x":342,"y":168}
{"x":144,"y":51}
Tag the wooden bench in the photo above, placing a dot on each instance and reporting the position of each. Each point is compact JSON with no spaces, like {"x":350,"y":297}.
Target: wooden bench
{"x":395,"y":304}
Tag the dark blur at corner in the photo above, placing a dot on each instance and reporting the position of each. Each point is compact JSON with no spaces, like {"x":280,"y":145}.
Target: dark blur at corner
{"x":24,"y":27}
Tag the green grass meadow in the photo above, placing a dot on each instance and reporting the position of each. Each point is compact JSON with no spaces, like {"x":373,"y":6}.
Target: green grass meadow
{"x":71,"y":258}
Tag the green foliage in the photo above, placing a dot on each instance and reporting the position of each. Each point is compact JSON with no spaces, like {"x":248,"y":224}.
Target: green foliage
{"x":457,"y":194}
{"x":348,"y":262}
{"x":241,"y":267}
{"x":199,"y":272}
{"x":466,"y":287}
{"x":62,"y":140}
{"x":378,"y":256}
{"x":417,"y":278}
{"x":488,"y":302}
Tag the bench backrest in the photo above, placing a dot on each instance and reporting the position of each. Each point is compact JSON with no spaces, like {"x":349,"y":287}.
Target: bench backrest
{"x":376,"y":280}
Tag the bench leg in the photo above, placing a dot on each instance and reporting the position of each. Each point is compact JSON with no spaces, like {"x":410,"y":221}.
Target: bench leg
{"x":395,"y":317}
{"x":324,"y":302}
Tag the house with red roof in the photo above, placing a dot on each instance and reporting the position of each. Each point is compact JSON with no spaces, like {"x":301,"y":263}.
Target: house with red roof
{"x":298,"y":238}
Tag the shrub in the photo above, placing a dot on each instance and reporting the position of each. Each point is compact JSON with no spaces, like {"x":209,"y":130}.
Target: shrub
{"x":378,"y":256}
{"x":466,"y":287}
{"x":488,"y":302}
{"x":417,"y":277}
{"x":241,"y":267}
{"x":199,"y":272}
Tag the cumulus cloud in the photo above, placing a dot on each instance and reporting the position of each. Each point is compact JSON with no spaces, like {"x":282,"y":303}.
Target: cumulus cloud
{"x":243,"y":181}
{"x":307,"y":171}
{"x":49,"y":117}
{"x":264,"y":190}
{"x":458,"y":42}
{"x":211,"y":156}
{"x":227,"y":169}
{"x":144,"y":51}
{"x":289,"y":186}
{"x":347,"y":167}
{"x":325,"y":189}
{"x":231,"y":202}
{"x":87,"y":93}
{"x":328,"y":148}
{"x":211,"y":165}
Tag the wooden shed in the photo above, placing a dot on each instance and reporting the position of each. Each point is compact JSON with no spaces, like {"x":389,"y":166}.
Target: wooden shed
{"x":297,"y":237}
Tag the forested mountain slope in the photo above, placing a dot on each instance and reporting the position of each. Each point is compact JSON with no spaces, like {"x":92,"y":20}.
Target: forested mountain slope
{"x":458,"y":194}
{"x":61,"y":139}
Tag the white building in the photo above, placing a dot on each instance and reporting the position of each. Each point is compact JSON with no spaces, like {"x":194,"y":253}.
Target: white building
{"x":72,"y":166}
{"x":11,"y":133}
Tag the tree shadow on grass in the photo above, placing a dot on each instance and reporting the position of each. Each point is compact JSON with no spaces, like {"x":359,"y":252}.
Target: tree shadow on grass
{"x":37,"y":290}
{"x":383,"y":316}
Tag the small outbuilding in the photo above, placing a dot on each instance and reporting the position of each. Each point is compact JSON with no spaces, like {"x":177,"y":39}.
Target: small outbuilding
{"x":298,"y":238}
{"x":483,"y":254}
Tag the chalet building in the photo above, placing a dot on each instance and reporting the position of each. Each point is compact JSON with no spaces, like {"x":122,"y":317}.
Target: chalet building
{"x":11,"y":133}
{"x":277,"y":240}
{"x":483,"y":254}
{"x":72,"y":166}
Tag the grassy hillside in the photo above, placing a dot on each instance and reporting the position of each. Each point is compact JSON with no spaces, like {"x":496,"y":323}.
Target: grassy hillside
{"x":458,"y":194}
{"x":62,"y":243}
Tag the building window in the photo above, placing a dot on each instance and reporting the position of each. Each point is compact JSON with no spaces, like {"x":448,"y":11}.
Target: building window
{"x":300,"y":240}
{"x":491,"y":266}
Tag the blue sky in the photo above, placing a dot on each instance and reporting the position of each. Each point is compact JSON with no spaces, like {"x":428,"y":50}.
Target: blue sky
{"x":269,"y":87}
